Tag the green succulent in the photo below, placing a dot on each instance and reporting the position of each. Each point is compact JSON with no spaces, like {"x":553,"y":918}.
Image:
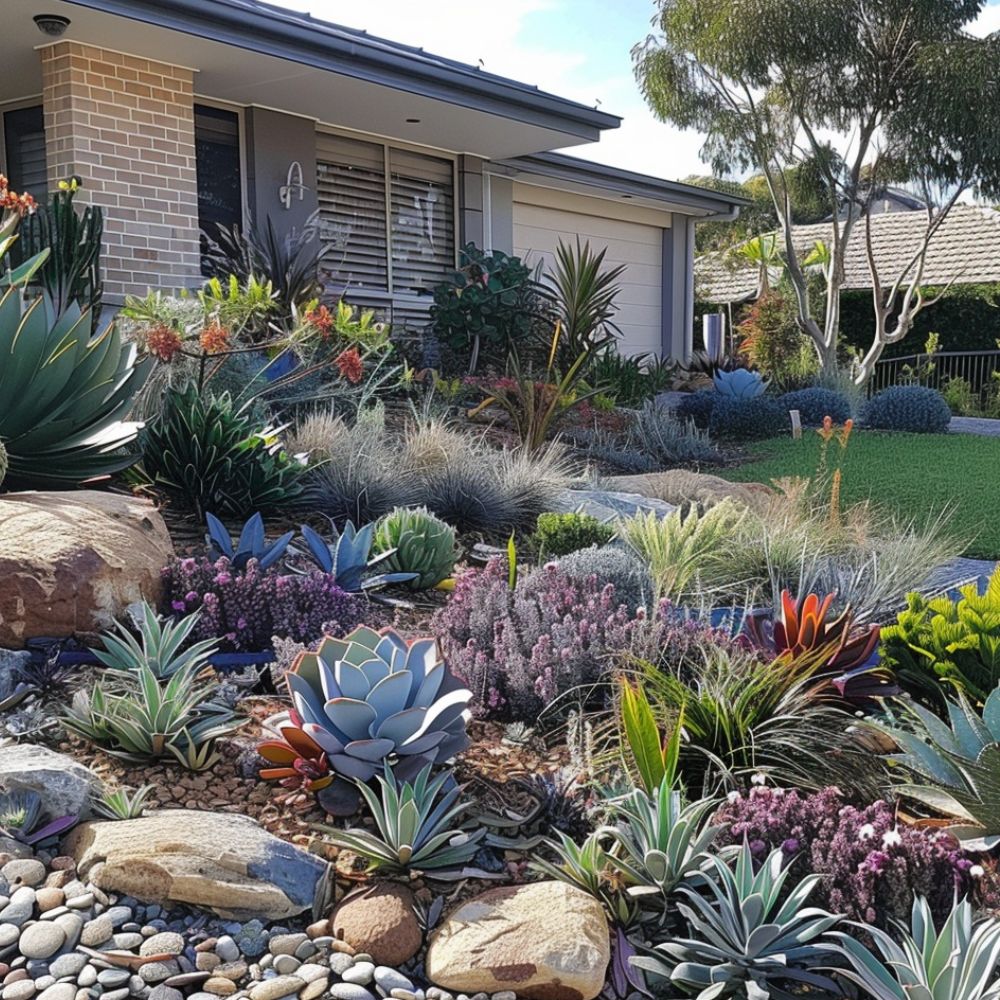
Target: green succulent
{"x":423,"y":544}
{"x":957,"y":762}
{"x":418,"y":828}
{"x":142,"y":718}
{"x":751,"y":938}
{"x":957,"y":963}
{"x":939,"y":644}
{"x":124,"y":803}
{"x":162,"y":646}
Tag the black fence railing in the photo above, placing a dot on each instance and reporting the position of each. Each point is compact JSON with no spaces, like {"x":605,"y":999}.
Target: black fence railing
{"x":936,"y":370}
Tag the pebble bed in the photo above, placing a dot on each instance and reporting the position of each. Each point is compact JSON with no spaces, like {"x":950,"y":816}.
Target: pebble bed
{"x":62,"y":939}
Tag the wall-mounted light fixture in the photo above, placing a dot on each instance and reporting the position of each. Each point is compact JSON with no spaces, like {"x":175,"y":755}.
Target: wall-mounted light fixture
{"x":52,"y":25}
{"x":293,"y":186}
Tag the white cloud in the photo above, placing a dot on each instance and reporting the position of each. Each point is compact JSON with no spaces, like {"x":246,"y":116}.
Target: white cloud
{"x":988,"y":21}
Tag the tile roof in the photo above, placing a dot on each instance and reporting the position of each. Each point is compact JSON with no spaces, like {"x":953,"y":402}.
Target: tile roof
{"x":966,"y":249}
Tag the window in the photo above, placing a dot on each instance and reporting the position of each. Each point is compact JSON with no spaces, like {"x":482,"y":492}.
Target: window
{"x":24,"y":151}
{"x":220,"y":185}
{"x":388,"y":218}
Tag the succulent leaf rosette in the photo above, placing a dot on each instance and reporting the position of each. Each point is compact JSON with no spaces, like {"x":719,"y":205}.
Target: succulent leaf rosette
{"x":371,"y":697}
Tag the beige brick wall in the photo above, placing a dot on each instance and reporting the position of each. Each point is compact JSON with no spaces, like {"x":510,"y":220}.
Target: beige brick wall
{"x":125,"y":126}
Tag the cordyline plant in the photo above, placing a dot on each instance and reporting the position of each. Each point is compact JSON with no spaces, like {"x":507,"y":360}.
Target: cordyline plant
{"x":906,"y":91}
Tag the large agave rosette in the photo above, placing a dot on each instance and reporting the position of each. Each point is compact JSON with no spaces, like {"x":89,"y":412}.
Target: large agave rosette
{"x":373,"y":696}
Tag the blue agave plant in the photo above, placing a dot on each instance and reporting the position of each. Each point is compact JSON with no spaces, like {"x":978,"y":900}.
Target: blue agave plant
{"x":21,"y":819}
{"x":372,"y":697}
{"x":740,"y":383}
{"x":348,"y":559}
{"x":251,"y":544}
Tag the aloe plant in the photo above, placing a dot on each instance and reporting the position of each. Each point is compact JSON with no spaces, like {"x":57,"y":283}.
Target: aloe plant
{"x":959,"y":962}
{"x":162,"y":646}
{"x":958,"y":762}
{"x":372,"y":696}
{"x":420,"y":543}
{"x":418,"y":827}
{"x":752,"y":938}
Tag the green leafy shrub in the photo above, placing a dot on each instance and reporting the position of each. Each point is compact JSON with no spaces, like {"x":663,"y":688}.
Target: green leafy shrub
{"x":939,"y":644}
{"x":206,"y":450}
{"x":773,"y":341}
{"x":816,"y":403}
{"x":912,"y":408}
{"x":560,"y":534}
{"x":631,"y":380}
{"x":420,"y":542}
{"x":748,"y":419}
{"x":697,"y":406}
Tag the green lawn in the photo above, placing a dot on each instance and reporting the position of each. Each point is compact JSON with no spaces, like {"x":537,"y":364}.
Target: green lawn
{"x":914,"y":474}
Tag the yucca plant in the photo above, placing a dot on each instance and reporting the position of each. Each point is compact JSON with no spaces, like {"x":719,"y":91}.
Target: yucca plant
{"x":162,"y":646}
{"x":124,"y":803}
{"x":957,"y":762}
{"x":751,"y":937}
{"x":921,"y":963}
{"x":420,"y":544}
{"x":680,"y":549}
{"x":143,"y":718}
{"x":419,"y":827}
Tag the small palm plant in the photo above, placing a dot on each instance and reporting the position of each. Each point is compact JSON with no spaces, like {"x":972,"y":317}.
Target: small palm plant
{"x":753,"y":939}
{"x":957,"y":963}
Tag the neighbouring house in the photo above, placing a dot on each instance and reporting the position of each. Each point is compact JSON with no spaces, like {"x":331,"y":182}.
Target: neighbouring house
{"x":180,"y":114}
{"x":964,"y":251}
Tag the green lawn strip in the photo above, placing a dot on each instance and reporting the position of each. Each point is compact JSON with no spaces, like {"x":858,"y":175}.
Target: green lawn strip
{"x":915,"y":475}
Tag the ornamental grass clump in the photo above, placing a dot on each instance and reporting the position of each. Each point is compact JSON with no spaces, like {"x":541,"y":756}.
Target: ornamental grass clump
{"x":245,"y":609}
{"x":872,"y":865}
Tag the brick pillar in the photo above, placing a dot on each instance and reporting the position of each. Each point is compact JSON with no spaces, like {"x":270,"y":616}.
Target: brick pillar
{"x":125,"y":126}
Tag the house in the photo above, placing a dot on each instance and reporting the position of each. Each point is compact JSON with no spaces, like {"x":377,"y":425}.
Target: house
{"x":965,"y":250}
{"x":180,"y":114}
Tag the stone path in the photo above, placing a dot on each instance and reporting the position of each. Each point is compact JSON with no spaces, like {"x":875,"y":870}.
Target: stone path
{"x":975,"y":425}
{"x":957,"y":573}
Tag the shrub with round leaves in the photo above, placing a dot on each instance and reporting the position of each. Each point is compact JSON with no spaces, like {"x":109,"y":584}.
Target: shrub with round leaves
{"x":697,"y":406}
{"x":912,"y":408}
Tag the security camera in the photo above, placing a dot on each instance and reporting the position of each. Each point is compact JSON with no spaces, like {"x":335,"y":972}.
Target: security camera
{"x":53,"y":25}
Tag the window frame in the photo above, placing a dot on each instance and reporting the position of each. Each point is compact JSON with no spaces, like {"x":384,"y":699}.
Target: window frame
{"x":391,"y":298}
{"x":241,"y":144}
{"x":17,"y":104}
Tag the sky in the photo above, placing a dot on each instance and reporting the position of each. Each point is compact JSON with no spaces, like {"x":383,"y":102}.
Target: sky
{"x":580,"y":49}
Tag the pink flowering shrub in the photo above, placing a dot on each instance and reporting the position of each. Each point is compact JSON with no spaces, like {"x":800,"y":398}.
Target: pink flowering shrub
{"x":520,"y":650}
{"x":872,"y":864}
{"x":244,"y":609}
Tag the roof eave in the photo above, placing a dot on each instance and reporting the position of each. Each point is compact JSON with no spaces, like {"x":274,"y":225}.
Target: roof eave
{"x":361,"y":56}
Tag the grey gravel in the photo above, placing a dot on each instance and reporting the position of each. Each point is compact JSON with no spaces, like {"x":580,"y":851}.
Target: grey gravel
{"x":97,"y":931}
{"x":226,"y":949}
{"x":361,"y":973}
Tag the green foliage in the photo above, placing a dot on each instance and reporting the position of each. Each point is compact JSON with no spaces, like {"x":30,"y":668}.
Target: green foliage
{"x":751,"y":937}
{"x":631,"y":380}
{"x":419,"y":827}
{"x":912,"y":408}
{"x":939,"y":643}
{"x":956,"y":764}
{"x":206,"y":450}
{"x":422,"y":543}
{"x":163,"y":647}
{"x":921,"y":963}
{"x":653,"y":758}
{"x":583,"y":293}
{"x":140,"y":718}
{"x":489,"y":306}
{"x":124,"y":803}
{"x":774,"y":343}
{"x":72,"y":271}
{"x":561,"y":534}
{"x":748,"y":419}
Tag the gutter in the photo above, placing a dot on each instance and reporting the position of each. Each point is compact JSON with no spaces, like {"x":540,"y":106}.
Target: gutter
{"x":311,"y":42}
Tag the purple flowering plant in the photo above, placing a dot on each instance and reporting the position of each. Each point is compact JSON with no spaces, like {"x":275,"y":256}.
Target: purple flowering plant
{"x":245,"y":608}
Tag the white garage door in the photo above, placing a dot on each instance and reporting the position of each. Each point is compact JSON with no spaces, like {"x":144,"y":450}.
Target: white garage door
{"x":538,"y":230}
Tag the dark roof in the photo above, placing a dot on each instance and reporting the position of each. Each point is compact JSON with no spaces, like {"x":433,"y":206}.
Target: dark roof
{"x":964,"y":250}
{"x":559,"y":166}
{"x":262,"y":27}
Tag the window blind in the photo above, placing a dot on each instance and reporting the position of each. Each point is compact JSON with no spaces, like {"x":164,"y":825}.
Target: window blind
{"x":24,"y":151}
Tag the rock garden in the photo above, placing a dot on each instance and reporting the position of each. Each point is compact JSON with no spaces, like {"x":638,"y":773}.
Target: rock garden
{"x":343,"y":662}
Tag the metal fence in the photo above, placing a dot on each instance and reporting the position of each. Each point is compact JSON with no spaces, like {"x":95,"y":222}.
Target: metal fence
{"x":936,"y":370}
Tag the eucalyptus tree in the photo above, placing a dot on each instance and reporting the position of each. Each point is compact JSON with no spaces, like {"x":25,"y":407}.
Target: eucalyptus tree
{"x":902,"y":88}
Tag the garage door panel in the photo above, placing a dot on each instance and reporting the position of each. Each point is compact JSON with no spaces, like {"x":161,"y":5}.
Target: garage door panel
{"x":538,"y":231}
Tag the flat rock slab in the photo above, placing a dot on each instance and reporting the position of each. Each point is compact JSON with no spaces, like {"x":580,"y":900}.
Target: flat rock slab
{"x":609,"y":505}
{"x":72,"y":562}
{"x":219,"y":861}
{"x":65,"y":786}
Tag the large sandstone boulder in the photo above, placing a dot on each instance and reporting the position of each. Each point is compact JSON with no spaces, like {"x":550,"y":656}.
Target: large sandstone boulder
{"x":379,"y":920}
{"x":219,"y":861}
{"x":684,"y":488}
{"x":543,"y":941}
{"x":65,"y":786}
{"x":71,"y":562}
